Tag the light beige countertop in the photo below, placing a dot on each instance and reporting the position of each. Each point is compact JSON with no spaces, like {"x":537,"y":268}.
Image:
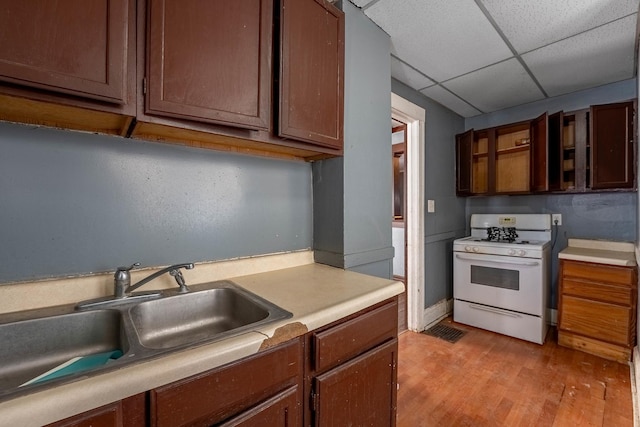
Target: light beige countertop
{"x":600,"y":252}
{"x":315,"y":294}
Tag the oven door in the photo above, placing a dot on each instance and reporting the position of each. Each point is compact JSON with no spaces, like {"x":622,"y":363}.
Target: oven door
{"x":500,"y":281}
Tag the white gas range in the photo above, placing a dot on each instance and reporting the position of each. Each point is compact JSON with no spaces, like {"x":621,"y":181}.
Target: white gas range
{"x":501,"y":275}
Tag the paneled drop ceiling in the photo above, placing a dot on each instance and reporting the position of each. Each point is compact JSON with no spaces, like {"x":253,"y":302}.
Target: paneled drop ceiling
{"x":479,"y":56}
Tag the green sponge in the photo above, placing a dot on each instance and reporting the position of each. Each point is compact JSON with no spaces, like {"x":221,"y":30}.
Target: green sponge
{"x":75,"y":365}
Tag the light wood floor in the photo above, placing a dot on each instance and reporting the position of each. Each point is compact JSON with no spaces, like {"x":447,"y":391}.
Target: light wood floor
{"x":487,"y":379}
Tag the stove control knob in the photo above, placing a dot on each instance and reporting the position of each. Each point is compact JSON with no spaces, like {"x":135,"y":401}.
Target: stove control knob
{"x":511,"y":252}
{"x":476,"y":249}
{"x":522,"y":252}
{"x":468,"y":249}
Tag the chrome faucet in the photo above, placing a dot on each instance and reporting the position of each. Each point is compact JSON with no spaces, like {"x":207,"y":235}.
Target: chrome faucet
{"x":122,"y":278}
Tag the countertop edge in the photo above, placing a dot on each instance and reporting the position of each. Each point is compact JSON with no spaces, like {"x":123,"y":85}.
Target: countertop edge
{"x":92,"y":392}
{"x":599,"y":256}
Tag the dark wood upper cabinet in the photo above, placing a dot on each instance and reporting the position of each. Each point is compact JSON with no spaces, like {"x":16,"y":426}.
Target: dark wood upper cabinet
{"x":539,"y":154}
{"x":578,"y":151}
{"x":210,"y":61}
{"x":554,"y":144}
{"x":75,"y":47}
{"x":612,"y":161}
{"x":464,"y":161}
{"x":311,"y":72}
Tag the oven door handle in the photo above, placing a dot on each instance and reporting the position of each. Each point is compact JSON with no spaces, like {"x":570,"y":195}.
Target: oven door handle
{"x":525,"y":264}
{"x":495,"y":310}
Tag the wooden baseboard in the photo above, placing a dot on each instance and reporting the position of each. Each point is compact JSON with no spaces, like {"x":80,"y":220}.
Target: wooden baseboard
{"x":602,"y":349}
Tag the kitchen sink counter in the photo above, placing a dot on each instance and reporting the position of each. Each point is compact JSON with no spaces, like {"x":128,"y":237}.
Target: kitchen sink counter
{"x":315,"y":294}
{"x":600,"y":252}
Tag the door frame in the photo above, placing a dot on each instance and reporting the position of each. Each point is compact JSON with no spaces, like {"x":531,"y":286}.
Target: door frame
{"x":414,"y":116}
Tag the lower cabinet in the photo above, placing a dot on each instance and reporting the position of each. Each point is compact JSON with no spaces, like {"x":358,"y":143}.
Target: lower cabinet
{"x":597,"y":309}
{"x":351,"y":371}
{"x":259,"y":390}
{"x":129,"y":412}
{"x":342,"y":374}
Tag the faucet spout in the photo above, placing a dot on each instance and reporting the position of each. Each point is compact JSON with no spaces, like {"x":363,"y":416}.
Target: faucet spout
{"x":174,"y":270}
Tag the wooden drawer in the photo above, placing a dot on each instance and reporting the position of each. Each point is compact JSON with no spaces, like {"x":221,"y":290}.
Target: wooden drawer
{"x":606,"y":322}
{"x":597,"y":291}
{"x":214,"y":396}
{"x":598,"y":272}
{"x":342,"y":342}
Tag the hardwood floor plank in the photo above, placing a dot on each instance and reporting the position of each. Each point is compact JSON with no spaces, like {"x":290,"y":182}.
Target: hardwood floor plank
{"x":488,"y":379}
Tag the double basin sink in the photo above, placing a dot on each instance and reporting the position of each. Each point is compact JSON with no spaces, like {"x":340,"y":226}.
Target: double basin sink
{"x":134,"y":328}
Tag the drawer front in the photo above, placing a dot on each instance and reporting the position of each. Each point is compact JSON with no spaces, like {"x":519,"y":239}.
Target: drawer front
{"x":513,"y":324}
{"x":597,"y":291}
{"x":355,"y":336}
{"x":214,"y":396}
{"x":598,"y":320}
{"x":599,"y":272}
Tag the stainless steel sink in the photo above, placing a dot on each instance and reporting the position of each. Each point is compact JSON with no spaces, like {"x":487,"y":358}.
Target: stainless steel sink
{"x":32,"y":347}
{"x":36,"y":341}
{"x":200,"y":316}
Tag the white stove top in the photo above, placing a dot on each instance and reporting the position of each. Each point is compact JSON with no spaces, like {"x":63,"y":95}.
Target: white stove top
{"x":533,"y":235}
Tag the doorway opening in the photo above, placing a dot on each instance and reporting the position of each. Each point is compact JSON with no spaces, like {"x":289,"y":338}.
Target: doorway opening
{"x":413,"y":117}
{"x":399,"y":202}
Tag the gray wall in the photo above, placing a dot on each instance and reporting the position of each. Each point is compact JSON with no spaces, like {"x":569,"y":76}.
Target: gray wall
{"x":611,"y":216}
{"x":614,"y":92}
{"x":448,"y":221}
{"x":77,"y":203}
{"x":352,"y":194}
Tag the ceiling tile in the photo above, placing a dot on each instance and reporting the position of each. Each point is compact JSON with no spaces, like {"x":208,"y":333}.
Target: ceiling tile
{"x":600,"y":56}
{"x":531,"y":24}
{"x":409,"y":76}
{"x":449,"y":100}
{"x":443,"y":39}
{"x":496,"y":87}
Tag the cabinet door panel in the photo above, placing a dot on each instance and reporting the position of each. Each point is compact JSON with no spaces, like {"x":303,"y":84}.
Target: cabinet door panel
{"x":281,"y":410}
{"x":77,"y":47}
{"x":210,"y":61}
{"x":464,"y":160}
{"x":612,"y":146}
{"x":129,"y":412}
{"x":360,"y":392}
{"x":603,"y":321}
{"x":354,"y":336}
{"x":312,"y":72}
{"x":599,"y":272}
{"x":598,"y":291}
{"x":214,"y":396}
{"x":554,"y":144}
{"x":539,"y":154}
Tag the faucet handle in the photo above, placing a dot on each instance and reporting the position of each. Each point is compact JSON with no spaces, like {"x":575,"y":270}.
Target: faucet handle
{"x":122,"y":280}
{"x":134,"y":265}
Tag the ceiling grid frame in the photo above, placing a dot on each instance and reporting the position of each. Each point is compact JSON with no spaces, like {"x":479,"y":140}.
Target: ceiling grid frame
{"x":559,"y":48}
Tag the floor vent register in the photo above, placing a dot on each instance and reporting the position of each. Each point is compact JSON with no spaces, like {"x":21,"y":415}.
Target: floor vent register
{"x":445,"y":332}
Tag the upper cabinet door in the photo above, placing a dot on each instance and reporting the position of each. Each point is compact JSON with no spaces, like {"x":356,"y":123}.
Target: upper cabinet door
{"x":539,"y":154}
{"x":210,"y":61}
{"x":464,"y":161}
{"x":76,"y":47}
{"x":555,"y":154}
{"x":612,"y":146}
{"x":312,"y":72}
